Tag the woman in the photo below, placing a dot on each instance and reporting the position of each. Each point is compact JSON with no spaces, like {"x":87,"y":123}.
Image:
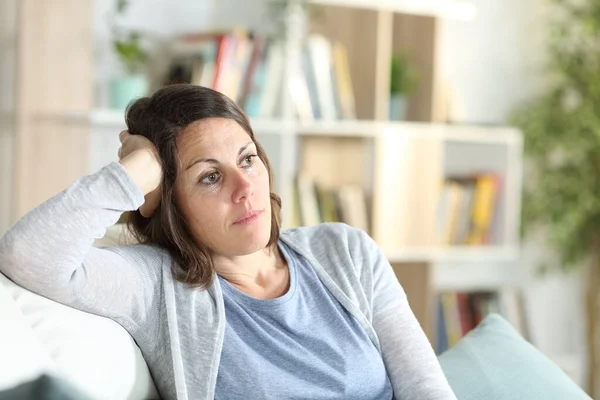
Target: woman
{"x":220,"y":303}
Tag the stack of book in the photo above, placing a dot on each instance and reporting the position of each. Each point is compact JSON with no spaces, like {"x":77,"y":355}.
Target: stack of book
{"x":467,"y":209}
{"x":460,"y":312}
{"x":315,"y":204}
{"x":250,"y":70}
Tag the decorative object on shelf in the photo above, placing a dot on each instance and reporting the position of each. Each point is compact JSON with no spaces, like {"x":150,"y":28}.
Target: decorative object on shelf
{"x":561,"y":136}
{"x":289,"y":18}
{"x":128,"y":47}
{"x":403,"y":81}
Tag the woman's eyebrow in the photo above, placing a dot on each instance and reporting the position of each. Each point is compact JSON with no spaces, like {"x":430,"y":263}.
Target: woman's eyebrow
{"x":244,"y":147}
{"x":213,"y":161}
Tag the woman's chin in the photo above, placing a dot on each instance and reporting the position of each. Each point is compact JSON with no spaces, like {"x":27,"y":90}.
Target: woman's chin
{"x":247,"y":241}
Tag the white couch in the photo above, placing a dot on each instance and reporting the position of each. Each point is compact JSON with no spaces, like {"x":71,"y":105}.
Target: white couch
{"x":94,"y":354}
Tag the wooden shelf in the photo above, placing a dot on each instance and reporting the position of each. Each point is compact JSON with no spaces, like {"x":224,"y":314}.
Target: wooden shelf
{"x":455,"y":133}
{"x":358,"y":128}
{"x":453,"y":254}
{"x":272,"y":126}
{"x":482,"y":135}
{"x":106,"y":118}
{"x":448,"y":9}
{"x":489,"y":275}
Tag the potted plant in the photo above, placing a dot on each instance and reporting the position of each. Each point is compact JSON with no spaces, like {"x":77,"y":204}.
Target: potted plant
{"x":128,"y":47}
{"x":561,"y":130}
{"x":403,"y":81}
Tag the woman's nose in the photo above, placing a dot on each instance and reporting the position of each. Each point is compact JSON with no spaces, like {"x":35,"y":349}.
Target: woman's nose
{"x":242,"y":187}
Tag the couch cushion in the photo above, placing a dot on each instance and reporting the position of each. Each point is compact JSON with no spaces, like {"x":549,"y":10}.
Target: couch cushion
{"x":94,"y":354}
{"x":493,"y":362}
{"x":22,"y":355}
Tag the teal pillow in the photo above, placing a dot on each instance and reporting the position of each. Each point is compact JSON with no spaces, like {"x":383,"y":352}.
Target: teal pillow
{"x":493,"y":362}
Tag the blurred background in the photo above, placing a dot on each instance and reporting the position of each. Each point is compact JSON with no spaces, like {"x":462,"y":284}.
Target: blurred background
{"x":462,"y":135}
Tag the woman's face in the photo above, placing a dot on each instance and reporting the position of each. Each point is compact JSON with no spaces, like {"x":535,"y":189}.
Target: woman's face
{"x":222,"y":187}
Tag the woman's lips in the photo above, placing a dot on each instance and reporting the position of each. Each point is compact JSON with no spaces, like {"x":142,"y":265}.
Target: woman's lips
{"x":249,"y":217}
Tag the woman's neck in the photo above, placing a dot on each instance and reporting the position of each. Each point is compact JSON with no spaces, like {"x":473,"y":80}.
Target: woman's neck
{"x":263,"y":275}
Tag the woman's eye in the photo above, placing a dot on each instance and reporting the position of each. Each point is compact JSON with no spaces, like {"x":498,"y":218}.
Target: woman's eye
{"x":211,"y":178}
{"x":249,"y":160}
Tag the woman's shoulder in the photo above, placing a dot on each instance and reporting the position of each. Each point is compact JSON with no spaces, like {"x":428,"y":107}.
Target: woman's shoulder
{"x":326,"y":232}
{"x":344,"y":253}
{"x":321,"y":239}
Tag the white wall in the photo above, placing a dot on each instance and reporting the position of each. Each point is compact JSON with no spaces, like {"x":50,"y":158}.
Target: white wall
{"x":491,"y":65}
{"x":494,"y":61}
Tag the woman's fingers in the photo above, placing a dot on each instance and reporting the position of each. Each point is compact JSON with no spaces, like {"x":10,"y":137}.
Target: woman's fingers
{"x":124,"y":137}
{"x":131,"y":144}
{"x":151,"y":203}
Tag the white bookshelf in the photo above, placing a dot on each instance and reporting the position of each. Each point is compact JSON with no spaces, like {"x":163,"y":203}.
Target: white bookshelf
{"x":400,"y":165}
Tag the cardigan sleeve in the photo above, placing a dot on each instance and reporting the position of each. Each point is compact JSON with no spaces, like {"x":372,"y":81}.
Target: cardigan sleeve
{"x":412,"y":365}
{"x":49,"y":250}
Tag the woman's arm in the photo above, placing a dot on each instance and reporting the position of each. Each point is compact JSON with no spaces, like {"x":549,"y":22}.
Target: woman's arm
{"x":49,"y":251}
{"x":411,"y":363}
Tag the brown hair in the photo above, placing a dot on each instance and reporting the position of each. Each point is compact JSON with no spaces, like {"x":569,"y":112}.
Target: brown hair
{"x":161,"y":118}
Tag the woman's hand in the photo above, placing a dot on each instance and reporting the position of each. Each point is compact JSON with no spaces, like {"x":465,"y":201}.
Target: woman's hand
{"x":140,"y":158}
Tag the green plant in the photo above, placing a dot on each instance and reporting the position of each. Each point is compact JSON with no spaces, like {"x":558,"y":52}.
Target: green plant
{"x":562,"y":139}
{"x":403,"y":77}
{"x":128,"y":44}
{"x":561,"y":131}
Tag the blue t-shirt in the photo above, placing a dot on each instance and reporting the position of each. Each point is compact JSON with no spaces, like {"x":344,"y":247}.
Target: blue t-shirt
{"x":302,"y":345}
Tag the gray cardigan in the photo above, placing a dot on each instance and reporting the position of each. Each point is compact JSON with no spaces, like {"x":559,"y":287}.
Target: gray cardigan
{"x":180,"y":330}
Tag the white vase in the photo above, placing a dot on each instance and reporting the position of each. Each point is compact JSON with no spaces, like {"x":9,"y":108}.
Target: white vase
{"x":124,"y":89}
{"x":398,"y":104}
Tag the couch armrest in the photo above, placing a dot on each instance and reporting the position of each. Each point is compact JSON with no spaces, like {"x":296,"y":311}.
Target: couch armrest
{"x":94,"y":354}
{"x":23,"y":356}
